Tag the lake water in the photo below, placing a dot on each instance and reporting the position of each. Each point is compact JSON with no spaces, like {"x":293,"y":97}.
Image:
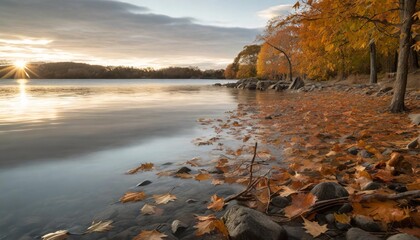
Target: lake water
{"x":66,"y":144}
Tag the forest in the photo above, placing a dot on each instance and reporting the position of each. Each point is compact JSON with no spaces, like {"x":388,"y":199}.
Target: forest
{"x":72,"y":70}
{"x":327,"y":39}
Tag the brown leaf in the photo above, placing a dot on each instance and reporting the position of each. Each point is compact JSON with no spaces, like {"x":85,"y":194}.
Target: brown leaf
{"x":143,"y":167}
{"x":185,"y":175}
{"x":58,"y":235}
{"x":132,"y":197}
{"x":150,"y":235}
{"x":100,"y":227}
{"x":217,"y":182}
{"x":217,"y":203}
{"x":164,"y":198}
{"x":314,"y":228}
{"x":202,"y":176}
{"x":300,"y":203}
{"x":207,"y":224}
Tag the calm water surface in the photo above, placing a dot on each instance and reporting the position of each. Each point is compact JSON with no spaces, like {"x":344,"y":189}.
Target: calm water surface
{"x":65,"y":144}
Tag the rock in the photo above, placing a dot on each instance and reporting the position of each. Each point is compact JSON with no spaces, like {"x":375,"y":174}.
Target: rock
{"x":296,"y":233}
{"x":330,"y":218}
{"x":280,"y":202}
{"x":296,"y":84}
{"x":372,"y":186}
{"x":342,"y":226}
{"x":251,"y":86}
{"x":414,"y":144}
{"x":359,"y":234}
{"x":264,"y":85}
{"x":177,"y":225}
{"x":214,"y":170}
{"x":385,"y":89}
{"x":230,"y":85}
{"x":184,"y":170}
{"x":191,"y":200}
{"x":346,"y":208}
{"x":247,"y":224}
{"x":144,"y":183}
{"x":367,"y":224}
{"x":415,"y":118}
{"x":366,"y":154}
{"x":353,"y":150}
{"x":398,"y":187}
{"x":403,"y":167}
{"x":402,"y":236}
{"x":329,"y":190}
{"x":217,"y":84}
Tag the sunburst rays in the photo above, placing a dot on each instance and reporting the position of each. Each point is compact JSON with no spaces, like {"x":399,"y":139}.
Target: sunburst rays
{"x":20,"y":69}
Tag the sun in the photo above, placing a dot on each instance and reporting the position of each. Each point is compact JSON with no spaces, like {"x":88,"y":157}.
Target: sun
{"x":20,"y":64}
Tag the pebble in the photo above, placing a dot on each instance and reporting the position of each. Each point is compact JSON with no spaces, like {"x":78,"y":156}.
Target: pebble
{"x":144,"y":183}
{"x":329,"y":190}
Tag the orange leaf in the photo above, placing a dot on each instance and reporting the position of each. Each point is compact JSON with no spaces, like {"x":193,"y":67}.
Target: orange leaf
{"x":142,"y":167}
{"x":150,"y":235}
{"x":132,"y":197}
{"x":164,"y":198}
{"x":217,"y":203}
{"x":207,"y":224}
{"x":300,"y":203}
{"x":202,"y":176}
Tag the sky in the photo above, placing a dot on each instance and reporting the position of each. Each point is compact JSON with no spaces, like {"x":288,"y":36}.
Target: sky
{"x":139,"y":33}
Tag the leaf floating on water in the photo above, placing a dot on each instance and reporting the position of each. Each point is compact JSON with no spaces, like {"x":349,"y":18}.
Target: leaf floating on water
{"x":185,"y":175}
{"x":150,"y":235}
{"x":148,"y":209}
{"x":99,"y":227}
{"x":314,"y":228}
{"x":142,"y":167}
{"x":207,"y":224}
{"x":217,"y":182}
{"x":58,"y":235}
{"x":132,"y":197}
{"x":217,"y":203}
{"x":202,"y":176}
{"x":164,"y":198}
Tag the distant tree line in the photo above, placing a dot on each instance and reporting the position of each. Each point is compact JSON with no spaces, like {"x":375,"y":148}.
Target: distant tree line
{"x":71,"y":70}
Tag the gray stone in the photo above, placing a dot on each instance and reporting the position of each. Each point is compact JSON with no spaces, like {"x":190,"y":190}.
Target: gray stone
{"x":217,"y":84}
{"x":280,"y":202}
{"x":296,"y":84}
{"x":329,"y":190}
{"x":297,"y":233}
{"x":247,"y":224}
{"x":413,"y":144}
{"x":353,"y":150}
{"x":330,"y":218}
{"x":359,"y":234}
{"x":372,"y":186}
{"x":184,"y":170}
{"x":346,"y":208}
{"x":367,"y":224}
{"x":144,"y":183}
{"x":366,"y":154}
{"x":402,"y":236}
{"x":178,"y":226}
{"x":415,"y":118}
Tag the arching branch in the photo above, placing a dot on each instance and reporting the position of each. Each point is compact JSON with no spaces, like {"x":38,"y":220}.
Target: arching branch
{"x":285,"y":54}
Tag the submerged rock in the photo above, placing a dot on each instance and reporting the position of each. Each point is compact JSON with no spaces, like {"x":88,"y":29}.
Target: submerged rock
{"x":184,"y":170}
{"x":329,"y":190}
{"x":359,"y":234}
{"x":247,"y":224}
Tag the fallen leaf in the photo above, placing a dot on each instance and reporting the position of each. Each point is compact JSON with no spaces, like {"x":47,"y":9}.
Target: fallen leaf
{"x":150,"y":235}
{"x":207,"y":224}
{"x":100,"y":226}
{"x":148,"y":209}
{"x":58,"y":235}
{"x":314,"y":228}
{"x":132,"y":197}
{"x":202,"y":176}
{"x":184,"y":175}
{"x":342,"y":218}
{"x":164,"y":198}
{"x":300,"y":203}
{"x":142,"y":167}
{"x":217,"y":203}
{"x":217,"y":182}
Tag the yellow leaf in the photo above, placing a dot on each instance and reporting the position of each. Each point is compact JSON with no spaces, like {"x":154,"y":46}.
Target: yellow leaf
{"x":342,"y":218}
{"x":59,"y":235}
{"x":314,"y":228}
{"x":142,"y":167}
{"x":164,"y":198}
{"x":132,"y":197}
{"x":148,"y":209}
{"x":202,"y":176}
{"x":150,"y":235}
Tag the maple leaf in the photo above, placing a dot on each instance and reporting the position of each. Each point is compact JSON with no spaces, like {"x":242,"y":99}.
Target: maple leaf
{"x":132,"y":197}
{"x":217,"y":203}
{"x":202,"y":176}
{"x":314,"y":228}
{"x":209,"y":223}
{"x":150,"y":235}
{"x":164,"y":198}
{"x":100,"y":226}
{"x":142,"y":167}
{"x":58,"y":235}
{"x":342,"y":218}
{"x":300,"y":203}
{"x":148,"y":209}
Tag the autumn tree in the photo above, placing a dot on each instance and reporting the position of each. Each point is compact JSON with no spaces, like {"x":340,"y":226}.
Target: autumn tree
{"x":244,"y":64}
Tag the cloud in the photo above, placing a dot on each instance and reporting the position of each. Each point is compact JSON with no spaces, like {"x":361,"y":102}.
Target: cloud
{"x":112,"y":32}
{"x":275,"y":11}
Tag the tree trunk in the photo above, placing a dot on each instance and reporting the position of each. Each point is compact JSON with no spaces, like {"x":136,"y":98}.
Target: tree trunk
{"x":395,"y":63}
{"x":287,"y":57}
{"x":373,"y":65}
{"x":397,"y":103}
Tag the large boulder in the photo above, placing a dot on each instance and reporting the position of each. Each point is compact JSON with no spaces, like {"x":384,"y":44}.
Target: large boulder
{"x":247,"y":224}
{"x":402,"y":236}
{"x":264,"y":85}
{"x":329,"y":190}
{"x":296,"y":84}
{"x":359,"y":234}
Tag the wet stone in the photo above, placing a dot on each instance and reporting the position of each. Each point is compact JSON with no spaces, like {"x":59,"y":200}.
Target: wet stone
{"x":402,"y":236}
{"x":184,"y":170}
{"x":329,"y":190}
{"x":359,"y":234}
